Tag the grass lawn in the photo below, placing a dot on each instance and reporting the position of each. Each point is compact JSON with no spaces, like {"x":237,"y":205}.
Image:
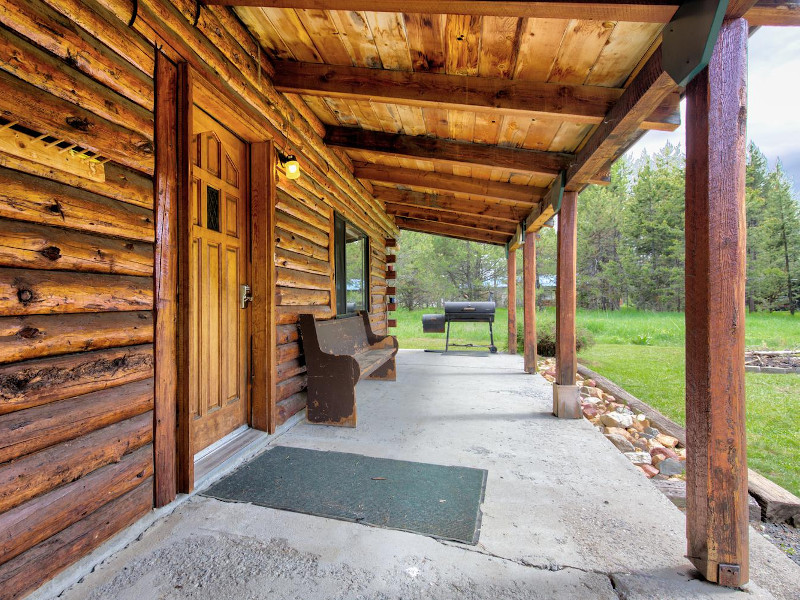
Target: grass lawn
{"x":643,"y":352}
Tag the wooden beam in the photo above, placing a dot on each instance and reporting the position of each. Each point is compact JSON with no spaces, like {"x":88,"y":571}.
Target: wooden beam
{"x":508,"y":193}
{"x":444,"y":202}
{"x":453,"y":231}
{"x":166,"y":282}
{"x":513,"y":97}
{"x":716,"y":468}
{"x":516,"y":242}
{"x":468,"y":220}
{"x":511,"y":283}
{"x":781,"y":13}
{"x":548,"y":207}
{"x":566,"y":398}
{"x":529,"y":299}
{"x":770,"y":12}
{"x":648,"y":89}
{"x":438,"y":150}
{"x":653,"y":11}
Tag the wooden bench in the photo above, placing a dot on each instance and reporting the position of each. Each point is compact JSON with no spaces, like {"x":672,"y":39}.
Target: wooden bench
{"x":338,"y":353}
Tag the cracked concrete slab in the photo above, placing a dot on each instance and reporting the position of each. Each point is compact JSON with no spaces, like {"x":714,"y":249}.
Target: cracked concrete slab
{"x":565,"y":514}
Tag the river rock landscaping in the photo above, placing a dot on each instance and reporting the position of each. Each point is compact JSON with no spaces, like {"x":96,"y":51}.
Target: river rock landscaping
{"x":655,"y":454}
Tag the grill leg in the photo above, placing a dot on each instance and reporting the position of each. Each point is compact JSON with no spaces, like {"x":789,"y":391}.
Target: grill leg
{"x":492,"y":347}
{"x":447,"y":339}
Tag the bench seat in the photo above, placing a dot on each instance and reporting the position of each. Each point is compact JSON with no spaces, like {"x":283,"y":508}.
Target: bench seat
{"x":338,"y":353}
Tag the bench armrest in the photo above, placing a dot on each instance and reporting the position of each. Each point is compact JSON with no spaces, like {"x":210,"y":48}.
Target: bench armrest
{"x":375,"y":340}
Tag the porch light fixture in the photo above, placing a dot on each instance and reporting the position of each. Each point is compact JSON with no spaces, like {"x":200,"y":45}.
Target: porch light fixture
{"x":290,"y":165}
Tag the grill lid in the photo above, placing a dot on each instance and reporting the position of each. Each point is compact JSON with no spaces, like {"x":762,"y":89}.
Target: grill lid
{"x":469,"y":308}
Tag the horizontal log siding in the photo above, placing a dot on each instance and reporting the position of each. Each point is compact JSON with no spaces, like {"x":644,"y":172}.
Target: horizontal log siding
{"x":76,"y":295}
{"x":76,"y":261}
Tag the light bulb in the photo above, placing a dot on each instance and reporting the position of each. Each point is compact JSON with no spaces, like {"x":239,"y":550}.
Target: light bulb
{"x":292,"y":167}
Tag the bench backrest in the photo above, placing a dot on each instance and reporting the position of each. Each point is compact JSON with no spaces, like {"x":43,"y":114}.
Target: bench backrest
{"x":342,"y":336}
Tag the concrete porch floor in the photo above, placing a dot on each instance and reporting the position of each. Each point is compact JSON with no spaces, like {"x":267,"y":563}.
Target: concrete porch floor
{"x":565,"y":514}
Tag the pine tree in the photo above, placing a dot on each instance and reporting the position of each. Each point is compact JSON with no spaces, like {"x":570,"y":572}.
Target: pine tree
{"x":601,"y":278}
{"x":653,"y":232}
{"x":781,"y":229}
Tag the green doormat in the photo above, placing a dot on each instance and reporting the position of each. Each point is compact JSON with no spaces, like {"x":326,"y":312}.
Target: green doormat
{"x":435,"y":500}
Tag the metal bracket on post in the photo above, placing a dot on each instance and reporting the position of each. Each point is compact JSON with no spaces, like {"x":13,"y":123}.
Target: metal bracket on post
{"x":689,"y":38}
{"x":728,"y":575}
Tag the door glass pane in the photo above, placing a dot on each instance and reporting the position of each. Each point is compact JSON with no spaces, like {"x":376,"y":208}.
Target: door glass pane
{"x":212,"y":214}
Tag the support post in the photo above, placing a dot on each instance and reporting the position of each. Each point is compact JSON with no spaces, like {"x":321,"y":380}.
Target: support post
{"x":716,"y":467}
{"x":566,"y":395}
{"x":166,"y":283}
{"x":512,"y":301}
{"x":529,"y":299}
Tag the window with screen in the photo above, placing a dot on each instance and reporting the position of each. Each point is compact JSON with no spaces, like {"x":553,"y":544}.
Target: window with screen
{"x":351,"y":257}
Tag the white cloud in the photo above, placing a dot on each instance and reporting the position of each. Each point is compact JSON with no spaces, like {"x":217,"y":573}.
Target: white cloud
{"x":773,"y":119}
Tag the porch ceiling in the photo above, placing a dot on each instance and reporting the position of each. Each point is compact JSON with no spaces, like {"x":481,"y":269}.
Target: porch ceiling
{"x":458,"y":117}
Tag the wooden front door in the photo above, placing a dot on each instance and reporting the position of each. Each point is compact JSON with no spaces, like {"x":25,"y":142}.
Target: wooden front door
{"x":218,"y":327}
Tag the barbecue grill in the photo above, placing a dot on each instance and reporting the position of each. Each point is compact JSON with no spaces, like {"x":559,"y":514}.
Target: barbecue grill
{"x":461,"y":312}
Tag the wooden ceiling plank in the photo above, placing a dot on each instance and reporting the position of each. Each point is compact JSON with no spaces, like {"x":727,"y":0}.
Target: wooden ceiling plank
{"x":326,"y":36}
{"x":645,"y":92}
{"x":492,"y":190}
{"x":623,"y":51}
{"x":499,"y":43}
{"x":462,"y":44}
{"x":498,"y":222}
{"x":425,"y":35}
{"x":454,"y":231}
{"x":579,"y":51}
{"x":389,"y":31}
{"x":356,"y":36}
{"x":650,"y":11}
{"x":450,"y":218}
{"x":517,"y":159}
{"x":293,"y":34}
{"x":515,"y":98}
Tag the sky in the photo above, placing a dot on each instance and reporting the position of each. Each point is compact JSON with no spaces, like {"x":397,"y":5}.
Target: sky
{"x":773,"y":118}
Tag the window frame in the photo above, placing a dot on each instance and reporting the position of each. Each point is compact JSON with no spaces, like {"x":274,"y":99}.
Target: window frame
{"x":340,"y":225}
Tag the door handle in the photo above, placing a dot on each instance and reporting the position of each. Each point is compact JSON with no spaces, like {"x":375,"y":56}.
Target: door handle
{"x":245,"y":295}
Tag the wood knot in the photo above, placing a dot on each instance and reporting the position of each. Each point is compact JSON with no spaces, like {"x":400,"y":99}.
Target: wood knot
{"x":28,"y":332}
{"x":51,"y":252}
{"x":25,"y":295}
{"x":79,"y":123}
{"x":146,"y":147}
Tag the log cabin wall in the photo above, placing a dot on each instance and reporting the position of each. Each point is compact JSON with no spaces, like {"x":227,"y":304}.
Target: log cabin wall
{"x":77,"y":259}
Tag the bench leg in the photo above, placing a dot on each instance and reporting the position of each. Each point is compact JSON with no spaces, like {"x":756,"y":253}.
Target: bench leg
{"x":331,"y":401}
{"x":386,"y":372}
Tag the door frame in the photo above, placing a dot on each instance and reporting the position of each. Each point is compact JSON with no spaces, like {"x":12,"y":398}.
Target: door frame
{"x":178,"y":87}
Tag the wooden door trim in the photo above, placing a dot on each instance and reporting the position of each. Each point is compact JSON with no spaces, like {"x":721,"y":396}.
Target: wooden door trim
{"x":261,"y":324}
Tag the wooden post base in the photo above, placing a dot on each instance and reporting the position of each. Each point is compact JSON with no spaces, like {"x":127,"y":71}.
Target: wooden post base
{"x":566,"y":401}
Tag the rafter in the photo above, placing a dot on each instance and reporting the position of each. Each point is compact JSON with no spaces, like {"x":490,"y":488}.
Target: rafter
{"x":650,"y":11}
{"x":445,"y":202}
{"x":483,"y":223}
{"x":774,"y":13}
{"x":453,"y":231}
{"x":408,"y":146}
{"x":765,"y":12}
{"x":514,"y":97}
{"x":507,"y":193}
